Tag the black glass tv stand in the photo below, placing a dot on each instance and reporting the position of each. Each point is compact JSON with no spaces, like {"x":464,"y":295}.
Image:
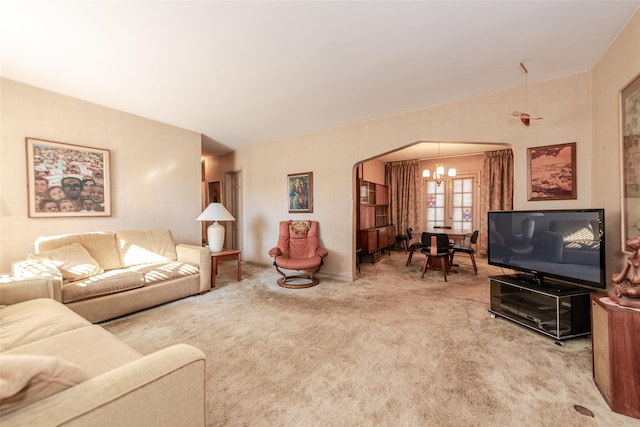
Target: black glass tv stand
{"x":555,"y":309}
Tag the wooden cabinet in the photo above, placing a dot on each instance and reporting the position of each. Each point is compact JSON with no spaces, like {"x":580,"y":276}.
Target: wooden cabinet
{"x":367,"y":192}
{"x":375,"y":234}
{"x":368,"y":240}
{"x":367,"y":217}
{"x":616,"y":355}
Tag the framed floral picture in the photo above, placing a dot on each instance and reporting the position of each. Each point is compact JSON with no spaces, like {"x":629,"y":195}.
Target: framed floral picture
{"x":66,"y":180}
{"x":552,"y":172}
{"x":630,"y":128}
{"x":300,"y":187}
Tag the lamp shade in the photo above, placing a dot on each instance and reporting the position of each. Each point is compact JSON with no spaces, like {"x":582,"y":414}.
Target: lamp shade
{"x":215,"y":232}
{"x":215,"y":212}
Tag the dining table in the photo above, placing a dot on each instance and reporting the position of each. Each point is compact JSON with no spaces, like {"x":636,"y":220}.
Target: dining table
{"x":455,"y":234}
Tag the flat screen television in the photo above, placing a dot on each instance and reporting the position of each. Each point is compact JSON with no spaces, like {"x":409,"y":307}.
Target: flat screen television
{"x":567,"y":245}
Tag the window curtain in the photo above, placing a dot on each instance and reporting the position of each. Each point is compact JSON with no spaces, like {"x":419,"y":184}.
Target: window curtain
{"x":405,"y":192}
{"x":496,"y":189}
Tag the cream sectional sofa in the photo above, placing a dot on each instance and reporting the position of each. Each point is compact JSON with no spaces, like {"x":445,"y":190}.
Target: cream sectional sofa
{"x":58,"y":369}
{"x":103,"y":275}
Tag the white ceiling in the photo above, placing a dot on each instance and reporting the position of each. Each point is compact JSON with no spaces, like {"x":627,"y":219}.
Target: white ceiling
{"x":244,"y":72}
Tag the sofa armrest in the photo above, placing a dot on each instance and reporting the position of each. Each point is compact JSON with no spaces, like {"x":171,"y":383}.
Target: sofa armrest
{"x":200,"y":256}
{"x":165,"y":388}
{"x":17,"y":289}
{"x":36,"y":268}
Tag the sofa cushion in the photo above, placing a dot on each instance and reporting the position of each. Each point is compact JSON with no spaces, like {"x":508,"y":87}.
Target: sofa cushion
{"x":145,"y":247}
{"x":45,"y":317}
{"x":27,"y":378}
{"x":73,"y":261}
{"x":92,"y":348}
{"x":100,"y":245}
{"x":154,"y":273}
{"x":109,"y":282}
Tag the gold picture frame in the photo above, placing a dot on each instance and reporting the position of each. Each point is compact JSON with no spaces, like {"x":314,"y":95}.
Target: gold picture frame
{"x":552,"y":172}
{"x":66,"y":180}
{"x":300,"y":187}
{"x":630,"y":159}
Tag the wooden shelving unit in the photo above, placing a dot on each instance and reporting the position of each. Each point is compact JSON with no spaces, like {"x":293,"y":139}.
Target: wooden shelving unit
{"x":375,"y":234}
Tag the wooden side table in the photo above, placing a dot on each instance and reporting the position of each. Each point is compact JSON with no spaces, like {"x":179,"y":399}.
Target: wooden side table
{"x":224,"y":254}
{"x":616,"y":355}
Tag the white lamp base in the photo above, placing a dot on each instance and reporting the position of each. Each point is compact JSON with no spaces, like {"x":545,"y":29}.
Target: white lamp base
{"x":215,"y":237}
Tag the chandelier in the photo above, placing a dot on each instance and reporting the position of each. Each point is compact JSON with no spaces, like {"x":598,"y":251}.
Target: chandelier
{"x":439,"y":174}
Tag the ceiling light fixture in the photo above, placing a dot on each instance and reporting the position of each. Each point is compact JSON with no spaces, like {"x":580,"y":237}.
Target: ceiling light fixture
{"x":439,"y":174}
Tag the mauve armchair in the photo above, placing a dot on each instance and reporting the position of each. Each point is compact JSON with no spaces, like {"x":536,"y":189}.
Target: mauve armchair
{"x":298,"y":249}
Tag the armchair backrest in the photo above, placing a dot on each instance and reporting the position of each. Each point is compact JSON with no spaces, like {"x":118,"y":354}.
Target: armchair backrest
{"x":298,"y":239}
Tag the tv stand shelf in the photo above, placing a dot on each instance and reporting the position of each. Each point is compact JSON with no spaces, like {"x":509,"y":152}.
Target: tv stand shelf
{"x":553,"y":309}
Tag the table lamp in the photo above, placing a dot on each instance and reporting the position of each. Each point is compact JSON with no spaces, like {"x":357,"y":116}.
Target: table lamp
{"x":215,"y":232}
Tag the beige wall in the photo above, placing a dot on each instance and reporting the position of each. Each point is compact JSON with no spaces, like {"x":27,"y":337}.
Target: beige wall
{"x":582,"y":108}
{"x":564,"y":103}
{"x":151,"y":160}
{"x":155,"y":168}
{"x":617,"y":67}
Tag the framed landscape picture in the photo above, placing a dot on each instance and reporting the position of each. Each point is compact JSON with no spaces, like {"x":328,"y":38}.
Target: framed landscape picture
{"x":66,"y":180}
{"x":300,"y":187}
{"x":630,"y":128}
{"x":552,"y":172}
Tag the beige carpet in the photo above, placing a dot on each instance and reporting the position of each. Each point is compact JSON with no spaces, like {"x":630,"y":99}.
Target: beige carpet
{"x":387,"y":349}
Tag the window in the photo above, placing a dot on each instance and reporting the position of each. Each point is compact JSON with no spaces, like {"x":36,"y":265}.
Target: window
{"x":462,"y":204}
{"x":452,"y":203}
{"x":435,"y":204}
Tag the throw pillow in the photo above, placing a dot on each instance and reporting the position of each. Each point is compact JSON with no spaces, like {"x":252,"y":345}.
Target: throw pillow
{"x":73,"y":261}
{"x":300,"y":226}
{"x":26,"y":378}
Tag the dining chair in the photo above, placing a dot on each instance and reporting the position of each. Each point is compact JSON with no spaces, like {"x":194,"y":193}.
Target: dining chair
{"x":404,"y":239}
{"x":467,"y":247}
{"x":417,"y":245}
{"x":445,"y":227}
{"x":438,"y":249}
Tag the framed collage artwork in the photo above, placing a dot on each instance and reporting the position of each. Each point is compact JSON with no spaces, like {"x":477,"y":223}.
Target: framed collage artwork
{"x":66,"y":180}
